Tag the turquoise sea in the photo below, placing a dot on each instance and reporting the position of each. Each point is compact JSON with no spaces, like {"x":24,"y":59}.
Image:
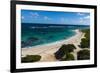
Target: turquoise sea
{"x":37,"y":34}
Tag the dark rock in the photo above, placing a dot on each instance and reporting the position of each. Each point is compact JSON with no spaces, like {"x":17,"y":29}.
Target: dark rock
{"x":23,"y":44}
{"x":33,"y":39}
{"x":29,"y":42}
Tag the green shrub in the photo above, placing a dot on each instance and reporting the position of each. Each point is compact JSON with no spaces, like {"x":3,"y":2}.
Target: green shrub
{"x":68,"y":48}
{"x":83,"y":55}
{"x":31,"y":58}
{"x":64,"y":49}
{"x":85,"y":42}
{"x":68,"y":57}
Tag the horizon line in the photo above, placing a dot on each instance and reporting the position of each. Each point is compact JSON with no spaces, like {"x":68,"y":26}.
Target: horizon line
{"x":55,"y":24}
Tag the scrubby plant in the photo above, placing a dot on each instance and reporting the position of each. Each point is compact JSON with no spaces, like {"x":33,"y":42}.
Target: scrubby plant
{"x":83,"y":55}
{"x":85,"y":42}
{"x":64,"y":49}
{"x":68,"y":57}
{"x":30,"y":58}
{"x":68,"y":48}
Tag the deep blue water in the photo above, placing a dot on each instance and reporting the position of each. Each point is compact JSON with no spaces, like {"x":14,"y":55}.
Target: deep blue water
{"x":37,"y":34}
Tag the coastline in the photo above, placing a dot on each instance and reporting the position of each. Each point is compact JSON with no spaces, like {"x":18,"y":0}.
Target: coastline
{"x":47,"y":50}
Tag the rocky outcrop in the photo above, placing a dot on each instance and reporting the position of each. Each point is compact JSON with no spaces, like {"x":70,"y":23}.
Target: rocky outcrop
{"x":29,"y":41}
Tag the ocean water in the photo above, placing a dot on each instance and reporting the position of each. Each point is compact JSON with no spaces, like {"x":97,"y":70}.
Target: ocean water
{"x":37,"y":34}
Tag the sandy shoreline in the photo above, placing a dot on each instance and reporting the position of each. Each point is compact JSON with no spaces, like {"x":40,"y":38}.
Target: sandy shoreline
{"x":47,"y":50}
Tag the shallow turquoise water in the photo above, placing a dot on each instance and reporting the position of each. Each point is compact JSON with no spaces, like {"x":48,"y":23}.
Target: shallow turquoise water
{"x":33,"y":35}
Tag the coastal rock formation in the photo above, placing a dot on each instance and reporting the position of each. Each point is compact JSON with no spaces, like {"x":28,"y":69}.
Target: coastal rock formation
{"x":33,"y":39}
{"x":23,"y":44}
{"x":29,"y":42}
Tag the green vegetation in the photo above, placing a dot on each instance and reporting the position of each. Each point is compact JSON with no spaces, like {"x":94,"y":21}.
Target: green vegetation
{"x":68,"y":48}
{"x":64,"y":52}
{"x":85,"y":42}
{"x":68,"y":57}
{"x":31,"y":58}
{"x":83,"y":55}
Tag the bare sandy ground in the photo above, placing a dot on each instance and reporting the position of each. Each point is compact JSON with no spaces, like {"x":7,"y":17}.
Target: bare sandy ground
{"x":47,"y":50}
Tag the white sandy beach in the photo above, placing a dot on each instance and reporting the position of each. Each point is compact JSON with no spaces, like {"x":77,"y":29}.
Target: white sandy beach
{"x":47,"y":50}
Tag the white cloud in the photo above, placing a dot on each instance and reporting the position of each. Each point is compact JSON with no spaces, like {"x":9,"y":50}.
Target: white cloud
{"x":35,"y":14}
{"x":87,"y":17}
{"x":84,"y":20}
{"x":22,"y":17}
{"x":81,"y":14}
{"x":81,"y":20}
{"x":46,"y":18}
{"x":63,"y":20}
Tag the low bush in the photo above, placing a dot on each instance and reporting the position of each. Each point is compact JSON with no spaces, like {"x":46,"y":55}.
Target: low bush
{"x":64,"y":49}
{"x":68,"y":48}
{"x":31,"y":58}
{"x":85,"y":42}
{"x":68,"y":57}
{"x":83,"y":55}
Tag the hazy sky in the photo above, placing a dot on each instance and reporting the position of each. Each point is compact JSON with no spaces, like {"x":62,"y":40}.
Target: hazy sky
{"x":52,"y":17}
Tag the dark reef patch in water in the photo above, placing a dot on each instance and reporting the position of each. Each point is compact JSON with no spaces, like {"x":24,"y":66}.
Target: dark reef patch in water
{"x":37,"y":34}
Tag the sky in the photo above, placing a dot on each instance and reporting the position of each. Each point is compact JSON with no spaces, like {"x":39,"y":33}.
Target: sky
{"x":53,"y":17}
